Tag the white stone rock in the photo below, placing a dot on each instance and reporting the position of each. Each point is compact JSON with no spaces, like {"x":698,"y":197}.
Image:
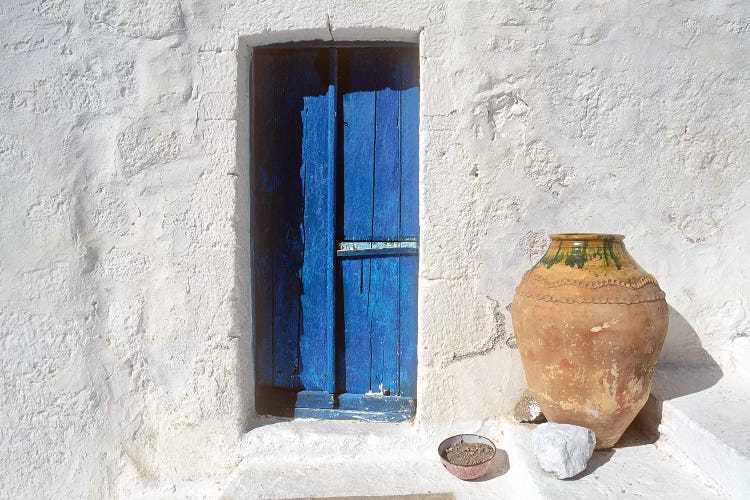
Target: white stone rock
{"x":563,"y":450}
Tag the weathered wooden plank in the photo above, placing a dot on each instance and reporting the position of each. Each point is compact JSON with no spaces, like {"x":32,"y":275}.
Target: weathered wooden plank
{"x":261,"y":212}
{"x":318,"y":230}
{"x":287,"y":216}
{"x":314,"y":399}
{"x":355,"y":303}
{"x":409,"y":223}
{"x":386,"y":210}
{"x":303,"y":242}
{"x":358,"y":156}
{"x":387,"y":191}
{"x":384,"y":311}
{"x":409,"y":217}
{"x":333,"y":173}
{"x":376,"y":402}
{"x":408,"y":276}
{"x":409,"y":150}
{"x":384,"y":320}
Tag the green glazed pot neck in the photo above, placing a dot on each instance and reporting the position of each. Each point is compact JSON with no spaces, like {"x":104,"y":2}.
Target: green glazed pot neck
{"x":587,"y":250}
{"x":581,"y":237}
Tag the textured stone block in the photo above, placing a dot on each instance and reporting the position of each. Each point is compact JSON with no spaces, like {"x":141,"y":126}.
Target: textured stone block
{"x":563,"y":450}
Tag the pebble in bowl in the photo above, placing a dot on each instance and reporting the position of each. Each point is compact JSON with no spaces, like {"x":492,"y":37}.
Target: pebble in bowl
{"x":467,"y":456}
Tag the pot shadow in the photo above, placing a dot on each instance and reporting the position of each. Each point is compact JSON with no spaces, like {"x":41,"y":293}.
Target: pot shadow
{"x":598,"y":458}
{"x":684,"y":368}
{"x":631,"y":437}
{"x":636,"y":435}
{"x":500,"y":465}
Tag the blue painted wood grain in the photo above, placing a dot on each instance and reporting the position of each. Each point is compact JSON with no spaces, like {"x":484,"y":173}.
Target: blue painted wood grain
{"x":376,"y":402}
{"x":358,"y":164}
{"x":384,"y":325}
{"x":409,"y":222}
{"x":354,"y":375}
{"x":385,"y":306}
{"x":287,"y":243}
{"x":333,"y":142}
{"x":387,"y":161}
{"x":358,"y":110}
{"x":358,"y":155}
{"x":377,"y":340}
{"x":261,"y":213}
{"x":409,"y":124}
{"x":314,"y":399}
{"x":316,"y":370}
{"x":408,"y":276}
{"x":302,"y":246}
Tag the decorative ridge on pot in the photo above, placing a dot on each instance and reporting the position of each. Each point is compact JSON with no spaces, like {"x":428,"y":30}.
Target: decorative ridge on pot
{"x":590,"y":324}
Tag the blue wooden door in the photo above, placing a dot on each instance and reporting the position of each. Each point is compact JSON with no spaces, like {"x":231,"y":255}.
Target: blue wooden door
{"x":378,"y":228}
{"x":335,"y":240}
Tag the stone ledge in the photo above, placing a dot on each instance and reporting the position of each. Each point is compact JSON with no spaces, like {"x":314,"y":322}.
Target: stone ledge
{"x":702,"y":414}
{"x":324,"y":459}
{"x":636,"y":468}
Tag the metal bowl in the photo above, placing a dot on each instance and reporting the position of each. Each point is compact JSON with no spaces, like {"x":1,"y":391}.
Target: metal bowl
{"x":466,"y":472}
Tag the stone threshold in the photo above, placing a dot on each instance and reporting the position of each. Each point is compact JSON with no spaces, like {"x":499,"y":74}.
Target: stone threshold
{"x":329,"y":459}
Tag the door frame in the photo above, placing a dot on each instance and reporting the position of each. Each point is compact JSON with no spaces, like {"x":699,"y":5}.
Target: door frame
{"x":303,"y":403}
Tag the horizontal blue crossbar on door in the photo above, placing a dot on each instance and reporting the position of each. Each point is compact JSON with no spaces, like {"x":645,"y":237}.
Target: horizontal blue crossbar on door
{"x":359,"y":248}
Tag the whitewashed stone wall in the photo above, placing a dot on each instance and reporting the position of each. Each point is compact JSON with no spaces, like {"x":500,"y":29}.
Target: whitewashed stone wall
{"x":124,"y":270}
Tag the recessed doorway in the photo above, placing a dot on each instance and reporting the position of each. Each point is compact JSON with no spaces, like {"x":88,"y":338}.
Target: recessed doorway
{"x":335,"y":234}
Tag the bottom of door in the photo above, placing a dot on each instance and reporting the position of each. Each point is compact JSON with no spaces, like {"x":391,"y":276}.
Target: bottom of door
{"x":323,"y":405}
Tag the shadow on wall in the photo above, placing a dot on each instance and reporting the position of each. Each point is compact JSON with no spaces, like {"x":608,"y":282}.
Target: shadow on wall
{"x":684,"y":368}
{"x":242,"y":313}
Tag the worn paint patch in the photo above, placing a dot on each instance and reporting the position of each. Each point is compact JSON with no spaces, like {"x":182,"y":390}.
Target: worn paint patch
{"x":603,"y":326}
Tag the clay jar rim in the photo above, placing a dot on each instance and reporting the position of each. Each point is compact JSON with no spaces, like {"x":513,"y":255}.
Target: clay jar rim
{"x":459,"y":438}
{"x":586,"y":237}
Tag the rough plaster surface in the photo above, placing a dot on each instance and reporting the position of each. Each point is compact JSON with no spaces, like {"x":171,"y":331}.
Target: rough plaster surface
{"x":124,"y":281}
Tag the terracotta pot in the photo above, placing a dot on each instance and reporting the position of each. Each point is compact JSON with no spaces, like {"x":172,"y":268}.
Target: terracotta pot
{"x":590,"y":324}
